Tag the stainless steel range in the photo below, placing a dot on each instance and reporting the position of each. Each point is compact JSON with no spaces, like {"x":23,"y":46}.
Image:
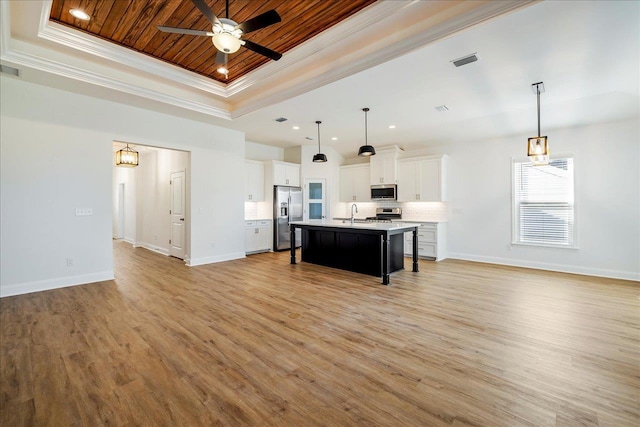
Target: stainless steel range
{"x":386,"y":215}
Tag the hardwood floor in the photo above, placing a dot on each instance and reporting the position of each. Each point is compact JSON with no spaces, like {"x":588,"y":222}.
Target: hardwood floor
{"x":261,"y":342}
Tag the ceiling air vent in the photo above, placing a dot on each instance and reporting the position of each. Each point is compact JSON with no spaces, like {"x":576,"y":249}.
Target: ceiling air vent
{"x":281,"y":119}
{"x":5,"y":69}
{"x":442,"y":108}
{"x":465,"y":60}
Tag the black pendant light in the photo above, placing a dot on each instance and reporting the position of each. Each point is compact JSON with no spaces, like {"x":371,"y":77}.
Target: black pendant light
{"x":538,"y":146}
{"x":366,"y":150}
{"x":319,"y":158}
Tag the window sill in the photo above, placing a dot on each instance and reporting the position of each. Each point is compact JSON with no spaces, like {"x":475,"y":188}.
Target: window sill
{"x":542,"y":245}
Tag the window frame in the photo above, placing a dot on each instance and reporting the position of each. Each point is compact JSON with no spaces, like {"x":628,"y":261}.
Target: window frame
{"x":514,"y":209}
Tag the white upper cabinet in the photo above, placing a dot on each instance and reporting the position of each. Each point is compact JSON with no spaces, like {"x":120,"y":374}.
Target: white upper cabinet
{"x":286,"y":174}
{"x":422,"y":179}
{"x":254,"y":183}
{"x":354,"y":183}
{"x":383,"y":167}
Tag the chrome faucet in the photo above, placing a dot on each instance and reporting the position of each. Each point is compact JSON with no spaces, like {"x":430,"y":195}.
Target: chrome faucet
{"x":353,"y":206}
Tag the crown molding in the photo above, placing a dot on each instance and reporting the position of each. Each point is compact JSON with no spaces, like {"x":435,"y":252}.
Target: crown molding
{"x":325,"y":41}
{"x":65,"y":70}
{"x":95,"y":46}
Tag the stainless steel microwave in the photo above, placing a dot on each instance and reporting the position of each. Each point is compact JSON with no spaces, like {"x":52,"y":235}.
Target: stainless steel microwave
{"x":384,"y":192}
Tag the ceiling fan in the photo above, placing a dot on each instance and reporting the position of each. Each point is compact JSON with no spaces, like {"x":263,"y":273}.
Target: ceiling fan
{"x":226,"y":34}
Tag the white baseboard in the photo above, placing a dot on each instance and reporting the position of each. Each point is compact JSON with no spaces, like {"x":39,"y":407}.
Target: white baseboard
{"x":562,"y":268}
{"x":192,"y":262}
{"x":60,"y":282}
{"x":154,"y":248}
{"x":129,"y":240}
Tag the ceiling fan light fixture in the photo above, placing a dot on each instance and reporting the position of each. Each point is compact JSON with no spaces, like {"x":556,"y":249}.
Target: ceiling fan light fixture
{"x":366,"y":150}
{"x":226,"y":42}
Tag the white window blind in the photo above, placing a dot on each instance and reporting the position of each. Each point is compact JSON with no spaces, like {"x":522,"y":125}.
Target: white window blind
{"x":543,"y":197}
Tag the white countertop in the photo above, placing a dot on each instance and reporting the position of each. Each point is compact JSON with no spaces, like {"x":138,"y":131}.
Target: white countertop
{"x":380,"y":226}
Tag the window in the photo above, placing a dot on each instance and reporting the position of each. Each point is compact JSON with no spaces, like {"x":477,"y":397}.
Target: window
{"x":543,"y":203}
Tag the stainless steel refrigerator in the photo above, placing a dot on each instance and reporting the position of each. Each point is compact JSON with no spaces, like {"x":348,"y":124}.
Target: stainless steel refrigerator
{"x":287,"y":206}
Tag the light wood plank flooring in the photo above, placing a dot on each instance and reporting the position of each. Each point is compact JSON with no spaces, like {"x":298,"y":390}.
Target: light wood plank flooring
{"x":259,"y":342}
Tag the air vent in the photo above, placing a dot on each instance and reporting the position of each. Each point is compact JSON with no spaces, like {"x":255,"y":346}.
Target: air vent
{"x":442,"y":108}
{"x":465,"y":60}
{"x":309,"y":138}
{"x":281,"y":119}
{"x":5,"y":69}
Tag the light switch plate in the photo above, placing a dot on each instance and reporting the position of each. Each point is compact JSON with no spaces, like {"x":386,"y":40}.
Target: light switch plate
{"x":84,"y":211}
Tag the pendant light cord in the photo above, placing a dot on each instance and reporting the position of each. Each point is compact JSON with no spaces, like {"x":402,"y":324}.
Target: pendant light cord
{"x":318,"y":123}
{"x":538,"y":92}
{"x":366,"y":139}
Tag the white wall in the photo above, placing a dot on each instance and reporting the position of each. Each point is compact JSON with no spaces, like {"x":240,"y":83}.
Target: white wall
{"x":56,"y":156}
{"x":607,"y":190}
{"x":261,"y":152}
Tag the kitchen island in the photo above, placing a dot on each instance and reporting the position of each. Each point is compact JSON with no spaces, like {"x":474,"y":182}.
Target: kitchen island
{"x":373,"y":248}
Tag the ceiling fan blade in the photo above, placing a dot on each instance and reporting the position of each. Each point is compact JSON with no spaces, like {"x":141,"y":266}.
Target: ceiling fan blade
{"x":185,"y":31}
{"x":206,"y":11}
{"x":221,"y":58}
{"x":257,"y":22}
{"x":265,"y":51}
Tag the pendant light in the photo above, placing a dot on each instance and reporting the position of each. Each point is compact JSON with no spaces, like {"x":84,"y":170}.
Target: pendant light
{"x":319,"y":158}
{"x":127,"y":157}
{"x":538,"y":146}
{"x":366,"y":150}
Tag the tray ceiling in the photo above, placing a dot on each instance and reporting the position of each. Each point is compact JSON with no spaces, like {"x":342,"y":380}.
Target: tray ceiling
{"x":132,"y":24}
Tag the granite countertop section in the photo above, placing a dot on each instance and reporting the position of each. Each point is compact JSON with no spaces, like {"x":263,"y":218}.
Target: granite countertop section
{"x":378,"y":226}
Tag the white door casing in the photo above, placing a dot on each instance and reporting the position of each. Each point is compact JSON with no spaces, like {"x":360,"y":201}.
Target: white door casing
{"x":177,"y":214}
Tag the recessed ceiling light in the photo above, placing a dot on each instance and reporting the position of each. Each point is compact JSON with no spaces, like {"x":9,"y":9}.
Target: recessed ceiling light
{"x":281,"y":119}
{"x":334,"y":138}
{"x":392,"y":126}
{"x":80,"y":14}
{"x":296,"y":127}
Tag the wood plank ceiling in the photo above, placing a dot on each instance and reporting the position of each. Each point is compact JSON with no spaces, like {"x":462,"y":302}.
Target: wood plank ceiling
{"x":132,"y":24}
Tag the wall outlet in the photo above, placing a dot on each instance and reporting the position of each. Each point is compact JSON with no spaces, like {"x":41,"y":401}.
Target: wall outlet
{"x":508,"y":246}
{"x":69,"y":262}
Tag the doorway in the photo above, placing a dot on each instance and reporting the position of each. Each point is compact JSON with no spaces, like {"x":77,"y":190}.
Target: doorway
{"x":151,"y":201}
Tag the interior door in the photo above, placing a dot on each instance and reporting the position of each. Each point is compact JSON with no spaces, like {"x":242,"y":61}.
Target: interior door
{"x":177,"y":213}
{"x":316,"y":196}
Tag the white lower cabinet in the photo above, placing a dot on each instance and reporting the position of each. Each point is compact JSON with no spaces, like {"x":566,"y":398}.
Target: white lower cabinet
{"x":257,"y":236}
{"x":432,"y":241}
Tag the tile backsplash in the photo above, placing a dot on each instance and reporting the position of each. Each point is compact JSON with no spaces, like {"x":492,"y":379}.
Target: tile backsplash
{"x":413,"y":211}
